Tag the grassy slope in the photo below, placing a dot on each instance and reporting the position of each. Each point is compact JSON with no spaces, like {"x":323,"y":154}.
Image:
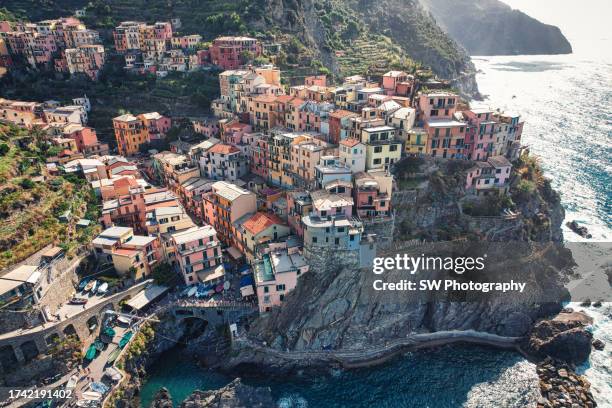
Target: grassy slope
{"x":29,"y":210}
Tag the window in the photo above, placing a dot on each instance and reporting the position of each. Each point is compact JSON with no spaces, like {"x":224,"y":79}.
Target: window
{"x":280,"y":288}
{"x":337,"y":241}
{"x":352,"y":238}
{"x":378,"y":149}
{"x":266,"y":289}
{"x":340,"y":229}
{"x":377,"y":161}
{"x":314,"y":240}
{"x":393,"y":148}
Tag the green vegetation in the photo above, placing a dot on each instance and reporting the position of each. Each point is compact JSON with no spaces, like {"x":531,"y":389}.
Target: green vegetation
{"x":118,"y":92}
{"x":341,"y":37}
{"x":491,"y":206}
{"x":139,"y":344}
{"x":66,"y":351}
{"x":163,"y":274}
{"x":29,"y":209}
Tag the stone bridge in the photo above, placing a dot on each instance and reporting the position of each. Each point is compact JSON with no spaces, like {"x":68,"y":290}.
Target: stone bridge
{"x":22,"y":346}
{"x":215,"y":313}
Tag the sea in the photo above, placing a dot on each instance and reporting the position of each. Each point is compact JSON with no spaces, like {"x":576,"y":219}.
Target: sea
{"x":566,"y":102}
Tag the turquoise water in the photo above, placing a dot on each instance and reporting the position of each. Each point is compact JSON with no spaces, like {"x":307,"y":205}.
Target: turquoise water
{"x":447,"y":377}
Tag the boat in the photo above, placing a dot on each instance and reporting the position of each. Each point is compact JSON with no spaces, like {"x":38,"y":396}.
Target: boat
{"x":102,"y":289}
{"x":78,"y":301}
{"x":89,"y":286}
{"x":72,"y":382}
{"x":107,"y":335}
{"x":98,"y":344}
{"x":192,"y":291}
{"x":91,"y":353}
{"x":113,"y":355}
{"x":91,"y":396}
{"x":94,"y":287}
{"x":84,"y":283}
{"x":226,"y":285}
{"x":113,"y":374}
{"x":219,"y":288}
{"x":93,"y":326}
{"x":125,"y":339}
{"x":123,"y":320}
{"x":99,"y":387}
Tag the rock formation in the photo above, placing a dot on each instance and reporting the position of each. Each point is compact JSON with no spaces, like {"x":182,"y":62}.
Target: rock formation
{"x":233,"y":395}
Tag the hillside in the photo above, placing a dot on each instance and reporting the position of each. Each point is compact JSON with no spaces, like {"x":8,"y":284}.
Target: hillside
{"x":490,"y":27}
{"x":30,"y":199}
{"x":344,"y":36}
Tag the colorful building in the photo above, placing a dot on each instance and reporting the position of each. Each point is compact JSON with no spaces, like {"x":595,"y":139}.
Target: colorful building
{"x":197,"y":254}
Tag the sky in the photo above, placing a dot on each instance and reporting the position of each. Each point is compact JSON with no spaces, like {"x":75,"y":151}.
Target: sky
{"x":585,"y":23}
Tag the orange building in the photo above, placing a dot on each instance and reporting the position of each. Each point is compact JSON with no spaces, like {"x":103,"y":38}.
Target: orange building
{"x":132,"y":132}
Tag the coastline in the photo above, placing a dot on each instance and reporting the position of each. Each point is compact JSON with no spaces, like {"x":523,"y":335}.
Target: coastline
{"x":370,"y":357}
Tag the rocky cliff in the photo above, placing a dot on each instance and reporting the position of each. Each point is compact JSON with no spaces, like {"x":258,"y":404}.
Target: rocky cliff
{"x":336,"y":306}
{"x":233,"y":395}
{"x":490,"y":27}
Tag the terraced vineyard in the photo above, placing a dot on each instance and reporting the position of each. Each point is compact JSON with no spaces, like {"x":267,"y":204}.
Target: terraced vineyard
{"x":31,"y":200}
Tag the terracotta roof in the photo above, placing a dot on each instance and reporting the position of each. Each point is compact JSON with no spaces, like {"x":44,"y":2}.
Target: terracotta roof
{"x":223,"y":149}
{"x":265,"y":98}
{"x":341,"y":113}
{"x":125,"y":252}
{"x":297,"y":101}
{"x":284,"y":98}
{"x":350,"y":142}
{"x":261,"y":221}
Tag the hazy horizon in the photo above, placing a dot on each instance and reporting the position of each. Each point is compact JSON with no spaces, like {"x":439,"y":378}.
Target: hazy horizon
{"x":586,"y":25}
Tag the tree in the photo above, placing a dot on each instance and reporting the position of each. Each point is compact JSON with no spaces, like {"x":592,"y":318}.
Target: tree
{"x":26,"y":183}
{"x":164,"y":275}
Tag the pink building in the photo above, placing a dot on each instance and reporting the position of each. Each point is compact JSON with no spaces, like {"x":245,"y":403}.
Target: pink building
{"x":197,"y":254}
{"x":327,"y":204}
{"x":277,"y":273}
{"x":392,"y":79}
{"x":373,"y":194}
{"x":480,"y":137}
{"x":156,"y":125}
{"x":315,"y":80}
{"x":82,"y":135}
{"x":228,"y":52}
{"x":446,"y":138}
{"x":437,"y":105}
{"x":233,"y":132}
{"x":489,"y":176}
{"x":258,"y":155}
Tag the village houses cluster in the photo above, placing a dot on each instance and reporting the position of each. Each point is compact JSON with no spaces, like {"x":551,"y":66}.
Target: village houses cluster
{"x":277,"y":178}
{"x":63,"y":45}
{"x":156,"y":49}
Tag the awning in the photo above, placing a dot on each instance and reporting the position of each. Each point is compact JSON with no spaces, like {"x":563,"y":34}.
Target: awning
{"x":234,"y":252}
{"x":247,"y":291}
{"x":246,"y":280}
{"x":210,"y":276}
{"x":146,"y":296}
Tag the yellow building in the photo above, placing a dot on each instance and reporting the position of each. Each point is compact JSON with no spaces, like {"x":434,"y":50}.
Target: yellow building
{"x":279,"y":162}
{"x":416,"y":142}
{"x":382,"y":150}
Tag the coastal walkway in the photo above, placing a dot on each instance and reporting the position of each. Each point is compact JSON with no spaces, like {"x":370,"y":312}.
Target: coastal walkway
{"x":378,"y":354}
